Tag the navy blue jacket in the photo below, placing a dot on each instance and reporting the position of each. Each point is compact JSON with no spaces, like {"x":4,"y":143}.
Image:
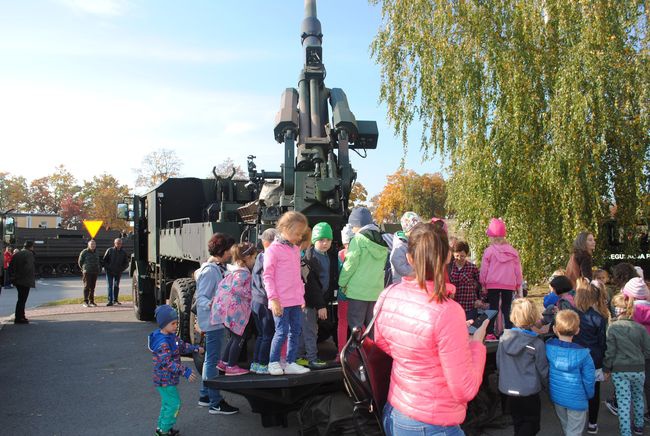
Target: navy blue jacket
{"x":571,"y":374}
{"x":592,"y":335}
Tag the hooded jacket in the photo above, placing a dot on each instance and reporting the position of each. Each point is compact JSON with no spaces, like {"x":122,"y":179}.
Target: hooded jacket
{"x":628,"y":345}
{"x":257,"y":283}
{"x":398,"y":264}
{"x":167,"y":350}
{"x":436,"y":369}
{"x":316,"y":296}
{"x":362,"y":275}
{"x":501,"y":268}
{"x":282,"y":279}
{"x":571,"y":374}
{"x":208,"y":278}
{"x":592,"y":334}
{"x":642,"y":313}
{"x":522,"y":363}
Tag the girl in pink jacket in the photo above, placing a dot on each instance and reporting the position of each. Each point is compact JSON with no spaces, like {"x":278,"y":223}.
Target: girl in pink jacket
{"x":437,"y":367}
{"x":500,"y":273}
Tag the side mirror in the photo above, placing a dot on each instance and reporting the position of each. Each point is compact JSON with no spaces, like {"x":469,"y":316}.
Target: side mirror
{"x":123,"y":211}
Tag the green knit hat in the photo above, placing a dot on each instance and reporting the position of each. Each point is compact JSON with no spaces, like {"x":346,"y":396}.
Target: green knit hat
{"x":321,"y":231}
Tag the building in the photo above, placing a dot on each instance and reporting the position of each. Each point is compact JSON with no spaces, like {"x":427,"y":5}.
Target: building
{"x":36,"y":220}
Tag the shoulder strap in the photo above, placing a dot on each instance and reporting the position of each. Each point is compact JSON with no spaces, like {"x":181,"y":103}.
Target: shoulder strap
{"x":371,"y":324}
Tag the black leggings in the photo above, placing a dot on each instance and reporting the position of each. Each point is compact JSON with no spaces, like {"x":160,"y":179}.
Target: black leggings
{"x":506,"y":302}
{"x":233,"y":349}
{"x":594,"y":405}
{"x":526,"y":414}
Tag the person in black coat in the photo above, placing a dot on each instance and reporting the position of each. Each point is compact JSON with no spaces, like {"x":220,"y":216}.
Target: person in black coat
{"x":22,"y":271}
{"x":115,"y":262}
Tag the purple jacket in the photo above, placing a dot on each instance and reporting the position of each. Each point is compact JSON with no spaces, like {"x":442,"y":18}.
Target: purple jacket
{"x":282,"y":279}
{"x":501,"y":268}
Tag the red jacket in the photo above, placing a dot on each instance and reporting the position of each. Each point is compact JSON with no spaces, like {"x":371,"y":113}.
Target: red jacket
{"x":437,"y":370}
{"x":7,"y":259}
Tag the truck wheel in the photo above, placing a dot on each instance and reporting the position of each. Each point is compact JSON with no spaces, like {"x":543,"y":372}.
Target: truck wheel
{"x":63,"y":269}
{"x":143,"y":304}
{"x":180,"y":298}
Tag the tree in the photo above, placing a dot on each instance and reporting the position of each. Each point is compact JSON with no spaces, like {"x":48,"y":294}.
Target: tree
{"x":358,"y":195}
{"x":156,"y":167}
{"x":73,"y":210}
{"x":225,"y":168}
{"x":540,"y":108}
{"x":406,"y":190}
{"x":47,"y":193}
{"x":101,"y":196}
{"x":13,"y":192}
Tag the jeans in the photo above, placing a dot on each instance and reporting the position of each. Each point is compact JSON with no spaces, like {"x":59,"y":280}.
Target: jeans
{"x":265,"y":331}
{"x":289,"y":325}
{"x":23,"y":293}
{"x":572,"y":421}
{"x":89,"y":281}
{"x":359,"y":312}
{"x":213,"y":340}
{"x":308,"y":347}
{"x":7,"y":280}
{"x":170,"y":405}
{"x":397,"y":424}
{"x":506,"y":302}
{"x":113,"y":281}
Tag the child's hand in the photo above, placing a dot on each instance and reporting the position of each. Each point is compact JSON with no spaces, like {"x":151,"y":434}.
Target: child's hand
{"x":201,"y":350}
{"x":192,"y":378}
{"x":322,"y":313}
{"x":276,"y":308}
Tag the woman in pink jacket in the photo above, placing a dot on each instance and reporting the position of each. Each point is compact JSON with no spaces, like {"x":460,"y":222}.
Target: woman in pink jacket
{"x":437,"y":366}
{"x":500,"y":273}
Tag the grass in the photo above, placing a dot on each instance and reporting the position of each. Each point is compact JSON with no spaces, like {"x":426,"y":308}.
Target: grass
{"x":98,"y":299}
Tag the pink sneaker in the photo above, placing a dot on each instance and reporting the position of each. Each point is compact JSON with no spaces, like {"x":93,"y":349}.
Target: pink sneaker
{"x":235,"y":370}
{"x":221,"y":366}
{"x":491,"y":337}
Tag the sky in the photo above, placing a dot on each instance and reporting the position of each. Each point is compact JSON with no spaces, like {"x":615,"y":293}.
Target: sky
{"x":96,"y":85}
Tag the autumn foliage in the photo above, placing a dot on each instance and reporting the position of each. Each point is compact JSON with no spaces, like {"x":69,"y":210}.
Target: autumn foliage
{"x":406,"y":190}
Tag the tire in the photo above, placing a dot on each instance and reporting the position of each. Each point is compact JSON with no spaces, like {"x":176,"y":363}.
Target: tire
{"x":144,"y":305}
{"x":180,"y":298}
{"x":63,"y":269}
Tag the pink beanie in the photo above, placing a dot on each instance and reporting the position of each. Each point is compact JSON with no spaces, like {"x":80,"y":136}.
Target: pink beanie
{"x":444,"y":223}
{"x":496,"y":229}
{"x":636,"y":288}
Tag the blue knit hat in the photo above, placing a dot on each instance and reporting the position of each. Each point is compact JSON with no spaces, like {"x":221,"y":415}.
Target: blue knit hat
{"x":165,"y":314}
{"x":360,"y":217}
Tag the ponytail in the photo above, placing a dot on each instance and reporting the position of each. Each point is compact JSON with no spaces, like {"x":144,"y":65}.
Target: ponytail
{"x":428,"y":246}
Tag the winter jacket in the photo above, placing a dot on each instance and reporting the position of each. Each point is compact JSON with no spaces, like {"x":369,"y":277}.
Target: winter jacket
{"x":571,"y":375}
{"x":282,"y":279}
{"x":22,"y":270}
{"x":592,"y":335}
{"x":208,"y":278}
{"x":642,"y":313}
{"x":628,"y":345}
{"x":257,"y":282}
{"x":436,"y":369}
{"x":167,"y":350}
{"x":398,"y":264}
{"x":362,"y":275}
{"x":89,"y":261}
{"x":579,"y":265}
{"x":501,"y":268}
{"x":6,"y":259}
{"x":316,"y":297}
{"x":550,"y":299}
{"x":115,"y":261}
{"x":522,"y":364}
{"x":231,"y":305}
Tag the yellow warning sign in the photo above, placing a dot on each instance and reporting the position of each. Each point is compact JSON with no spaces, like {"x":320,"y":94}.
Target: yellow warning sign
{"x":93,"y":227}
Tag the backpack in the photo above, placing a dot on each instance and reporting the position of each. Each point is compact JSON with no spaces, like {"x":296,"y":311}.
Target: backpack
{"x":327,"y":415}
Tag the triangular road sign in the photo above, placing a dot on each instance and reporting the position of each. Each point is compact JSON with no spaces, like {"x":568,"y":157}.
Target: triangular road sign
{"x":92,"y":227}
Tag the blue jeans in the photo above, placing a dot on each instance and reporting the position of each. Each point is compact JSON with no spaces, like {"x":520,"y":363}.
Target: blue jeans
{"x":397,"y":424}
{"x":213,"y":340}
{"x":265,"y":331}
{"x":113,"y":286}
{"x":288,"y":325}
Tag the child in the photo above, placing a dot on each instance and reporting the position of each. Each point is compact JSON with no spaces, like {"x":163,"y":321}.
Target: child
{"x":342,"y":303}
{"x":571,"y":374}
{"x":500,"y":272}
{"x":551,"y":298}
{"x":231,"y":305}
{"x":523,"y":368}
{"x":167,"y":348}
{"x":398,"y":264}
{"x":465,"y":276}
{"x":628,"y":345}
{"x":261,"y":312}
{"x":362,"y":275}
{"x":592,"y":335}
{"x":285,"y":291}
{"x":320,"y":274}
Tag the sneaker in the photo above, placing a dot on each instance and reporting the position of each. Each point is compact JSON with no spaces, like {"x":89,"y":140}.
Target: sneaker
{"x":86,"y":305}
{"x":275,"y":368}
{"x":491,"y":337}
{"x":612,"y":406}
{"x":223,"y":408}
{"x":171,"y":432}
{"x":302,"y":362}
{"x":221,"y":366}
{"x":317,"y":364}
{"x":110,"y":303}
{"x":204,"y":401}
{"x":235,"y":370}
{"x":253,"y":367}
{"x":592,"y":428}
{"x":294,"y":368}
{"x":262,"y":369}
{"x":637,"y":431}
{"x":92,"y":304}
